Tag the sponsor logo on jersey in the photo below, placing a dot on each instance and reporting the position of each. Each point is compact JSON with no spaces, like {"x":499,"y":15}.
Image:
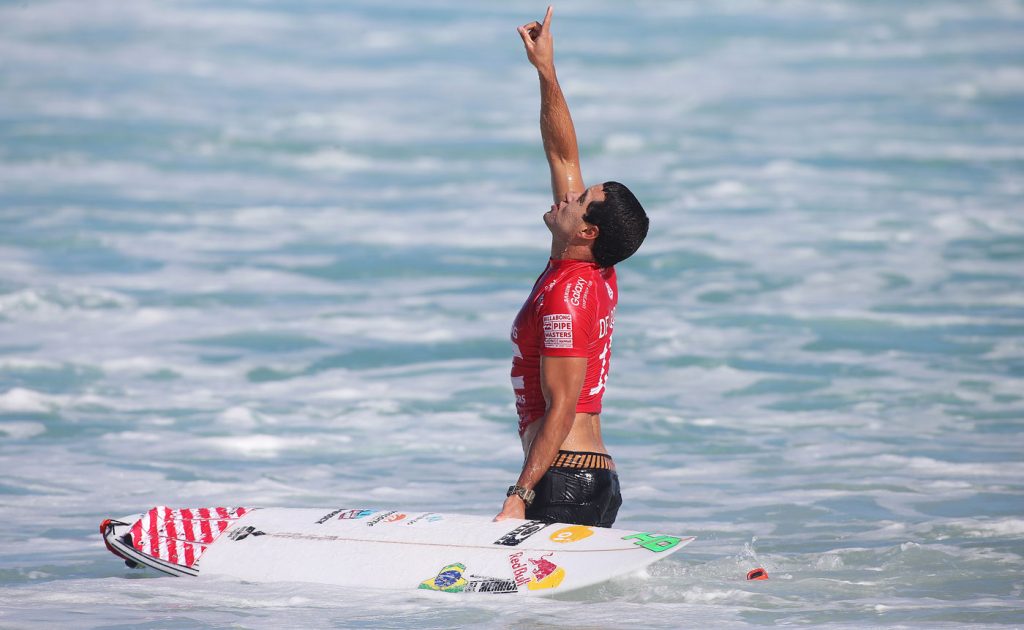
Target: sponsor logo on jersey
{"x":577,"y":291}
{"x":571,"y":534}
{"x":558,"y":330}
{"x":541,"y":575}
{"x":521,"y":533}
{"x":611,"y":294}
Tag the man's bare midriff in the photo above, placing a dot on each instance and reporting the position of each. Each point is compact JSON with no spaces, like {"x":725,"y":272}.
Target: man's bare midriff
{"x":585,"y":435}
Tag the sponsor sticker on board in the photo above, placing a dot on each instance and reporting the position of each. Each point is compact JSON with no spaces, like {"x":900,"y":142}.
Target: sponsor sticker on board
{"x":426,"y":517}
{"x":453,"y":579}
{"x":535,"y":573}
{"x":385,"y":517}
{"x":652,"y":542}
{"x":241,"y":533}
{"x":344,"y":513}
{"x":328,"y":516}
{"x":354,"y":514}
{"x":571,"y":534}
{"x":521,"y":533}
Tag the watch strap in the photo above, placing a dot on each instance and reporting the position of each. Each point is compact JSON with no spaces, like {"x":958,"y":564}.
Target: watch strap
{"x":525,"y":494}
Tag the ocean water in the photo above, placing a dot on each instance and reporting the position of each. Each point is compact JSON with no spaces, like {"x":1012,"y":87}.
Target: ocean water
{"x":268,"y":254}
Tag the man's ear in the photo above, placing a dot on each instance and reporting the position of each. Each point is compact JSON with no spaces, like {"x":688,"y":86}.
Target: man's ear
{"x":589,"y":232}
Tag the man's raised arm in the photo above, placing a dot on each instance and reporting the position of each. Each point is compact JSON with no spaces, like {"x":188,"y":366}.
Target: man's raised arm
{"x":555,"y":122}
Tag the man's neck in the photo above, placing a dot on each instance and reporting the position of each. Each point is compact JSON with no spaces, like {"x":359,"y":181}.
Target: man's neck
{"x":561,"y":251}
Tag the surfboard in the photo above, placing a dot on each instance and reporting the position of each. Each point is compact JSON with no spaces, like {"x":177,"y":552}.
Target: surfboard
{"x":387,"y":549}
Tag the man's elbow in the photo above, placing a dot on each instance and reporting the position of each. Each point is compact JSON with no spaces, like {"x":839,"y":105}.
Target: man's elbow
{"x":561,"y":414}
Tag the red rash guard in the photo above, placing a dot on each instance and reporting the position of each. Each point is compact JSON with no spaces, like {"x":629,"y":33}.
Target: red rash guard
{"x":570,"y":313}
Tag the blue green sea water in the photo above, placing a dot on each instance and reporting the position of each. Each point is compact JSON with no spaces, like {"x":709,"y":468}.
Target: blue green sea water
{"x":268,"y":253}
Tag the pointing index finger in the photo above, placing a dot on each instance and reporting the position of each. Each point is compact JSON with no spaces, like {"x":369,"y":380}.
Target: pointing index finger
{"x":547,"y":18}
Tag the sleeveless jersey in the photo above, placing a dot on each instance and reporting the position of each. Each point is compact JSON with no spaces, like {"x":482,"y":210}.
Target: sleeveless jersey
{"x":570,"y":313}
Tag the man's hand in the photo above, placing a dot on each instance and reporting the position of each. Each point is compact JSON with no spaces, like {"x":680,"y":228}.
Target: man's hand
{"x":513,"y":508}
{"x":540,"y":49}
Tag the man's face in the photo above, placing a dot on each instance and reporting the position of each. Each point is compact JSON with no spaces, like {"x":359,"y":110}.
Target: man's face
{"x":565,"y":218}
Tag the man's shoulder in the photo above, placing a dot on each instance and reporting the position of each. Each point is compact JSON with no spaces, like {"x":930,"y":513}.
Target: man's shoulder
{"x":573,"y":292}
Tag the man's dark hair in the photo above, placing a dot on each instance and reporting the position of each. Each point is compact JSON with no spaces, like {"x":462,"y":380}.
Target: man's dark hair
{"x":621,"y":222}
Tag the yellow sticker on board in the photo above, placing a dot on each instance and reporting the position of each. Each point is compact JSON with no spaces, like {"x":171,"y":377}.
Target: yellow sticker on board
{"x":571,"y":534}
{"x":549,"y":581}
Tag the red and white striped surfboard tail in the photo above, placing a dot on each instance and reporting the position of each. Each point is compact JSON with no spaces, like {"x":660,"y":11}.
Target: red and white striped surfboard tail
{"x":180,"y":536}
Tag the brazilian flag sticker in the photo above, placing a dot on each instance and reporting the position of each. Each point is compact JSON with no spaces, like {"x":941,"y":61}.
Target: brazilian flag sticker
{"x":448,"y":579}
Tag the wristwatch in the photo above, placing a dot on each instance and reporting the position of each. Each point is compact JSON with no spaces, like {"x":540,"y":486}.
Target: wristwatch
{"x":525,"y":494}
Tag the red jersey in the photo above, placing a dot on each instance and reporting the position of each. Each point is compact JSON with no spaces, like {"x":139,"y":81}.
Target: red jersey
{"x":570,"y":313}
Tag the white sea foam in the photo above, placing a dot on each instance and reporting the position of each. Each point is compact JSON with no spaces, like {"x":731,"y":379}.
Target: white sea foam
{"x":930,"y":466}
{"x":18,"y":363}
{"x":996,"y":527}
{"x":22,"y":430}
{"x":699,"y":595}
{"x":239,"y":418}
{"x":21,"y":400}
{"x":624,"y":143}
{"x":56,"y":300}
{"x":269,"y":446}
{"x":333,"y":160}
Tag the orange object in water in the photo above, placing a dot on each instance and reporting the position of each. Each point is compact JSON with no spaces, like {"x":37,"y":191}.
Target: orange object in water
{"x":757,"y":574}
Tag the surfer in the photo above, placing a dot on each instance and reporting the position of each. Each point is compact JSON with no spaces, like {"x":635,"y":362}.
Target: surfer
{"x":562,"y":335}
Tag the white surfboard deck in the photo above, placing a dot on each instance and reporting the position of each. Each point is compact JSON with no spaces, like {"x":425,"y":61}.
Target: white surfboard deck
{"x":388,"y":549}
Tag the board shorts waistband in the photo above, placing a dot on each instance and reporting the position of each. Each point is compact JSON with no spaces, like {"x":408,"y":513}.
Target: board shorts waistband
{"x":583,"y":459}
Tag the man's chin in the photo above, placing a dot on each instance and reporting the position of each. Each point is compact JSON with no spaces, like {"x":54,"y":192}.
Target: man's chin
{"x":549,"y":222}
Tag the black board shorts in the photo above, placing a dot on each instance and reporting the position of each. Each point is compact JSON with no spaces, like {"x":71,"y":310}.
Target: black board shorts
{"x":580,"y":488}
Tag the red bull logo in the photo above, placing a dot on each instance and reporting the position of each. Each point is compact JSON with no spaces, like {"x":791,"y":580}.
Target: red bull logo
{"x":541,"y":575}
